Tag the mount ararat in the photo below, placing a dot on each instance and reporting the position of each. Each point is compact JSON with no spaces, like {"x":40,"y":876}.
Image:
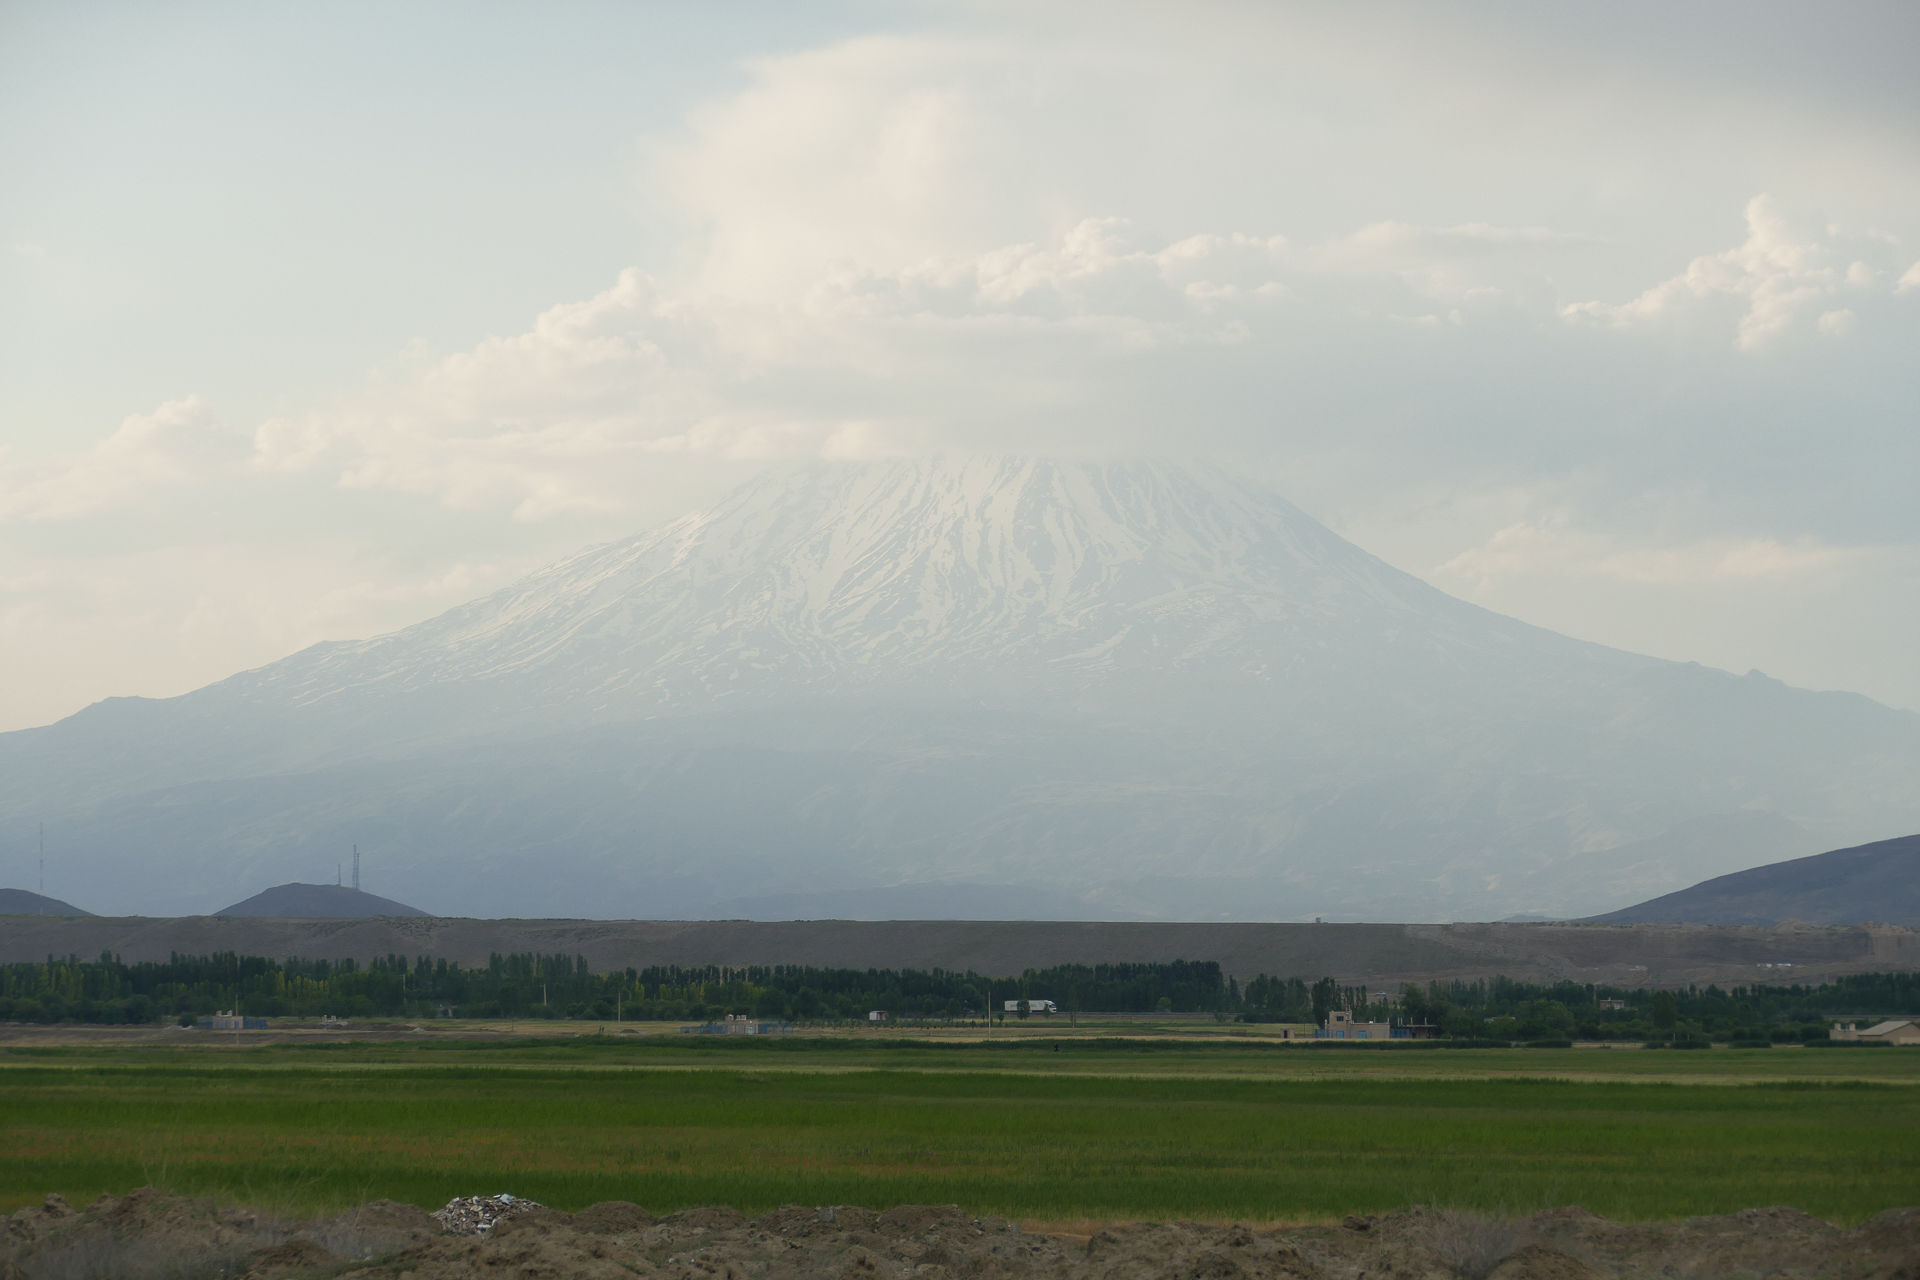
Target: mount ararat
{"x":968,"y":687}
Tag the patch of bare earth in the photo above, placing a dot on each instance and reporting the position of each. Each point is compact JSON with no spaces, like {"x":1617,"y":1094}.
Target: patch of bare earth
{"x":150,"y":1236}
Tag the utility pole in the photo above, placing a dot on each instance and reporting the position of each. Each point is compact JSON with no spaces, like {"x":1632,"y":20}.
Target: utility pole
{"x":38,"y":907}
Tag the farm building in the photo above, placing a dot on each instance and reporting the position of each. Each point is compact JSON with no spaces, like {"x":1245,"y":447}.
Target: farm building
{"x":226,"y":1021}
{"x":1341,"y":1026}
{"x":1894,"y":1032}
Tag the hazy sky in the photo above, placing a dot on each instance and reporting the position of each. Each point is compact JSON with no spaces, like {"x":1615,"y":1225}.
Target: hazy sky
{"x":316,"y":320}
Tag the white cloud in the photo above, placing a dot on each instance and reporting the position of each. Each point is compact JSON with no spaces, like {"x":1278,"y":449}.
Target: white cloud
{"x":559,"y":418}
{"x":178,"y":444}
{"x":530,"y":422}
{"x":1778,"y":275}
{"x":1837,"y":324}
{"x":568,"y":416}
{"x":877,"y":150}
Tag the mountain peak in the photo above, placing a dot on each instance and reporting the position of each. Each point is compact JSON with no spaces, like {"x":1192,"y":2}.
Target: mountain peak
{"x":965,"y":574}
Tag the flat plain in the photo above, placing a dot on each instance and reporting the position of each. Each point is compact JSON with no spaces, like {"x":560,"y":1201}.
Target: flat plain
{"x":1038,"y":1126}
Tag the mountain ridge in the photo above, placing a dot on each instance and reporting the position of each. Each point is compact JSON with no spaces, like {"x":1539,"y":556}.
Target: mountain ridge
{"x":1870,"y":883}
{"x":1149,"y":688}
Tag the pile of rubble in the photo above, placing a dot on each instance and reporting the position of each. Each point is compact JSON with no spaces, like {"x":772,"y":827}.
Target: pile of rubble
{"x":475,"y":1215}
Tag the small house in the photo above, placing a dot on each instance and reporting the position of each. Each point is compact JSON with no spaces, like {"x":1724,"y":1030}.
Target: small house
{"x":1341,"y":1026}
{"x":877,"y":1015}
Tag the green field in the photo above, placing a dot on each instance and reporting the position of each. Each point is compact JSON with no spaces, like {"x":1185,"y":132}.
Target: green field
{"x":1096,"y":1129}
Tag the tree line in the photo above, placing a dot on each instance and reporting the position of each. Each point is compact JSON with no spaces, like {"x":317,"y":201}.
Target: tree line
{"x":523,"y":985}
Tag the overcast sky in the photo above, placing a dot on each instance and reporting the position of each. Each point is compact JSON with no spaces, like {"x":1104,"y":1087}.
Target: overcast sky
{"x":316,"y":320}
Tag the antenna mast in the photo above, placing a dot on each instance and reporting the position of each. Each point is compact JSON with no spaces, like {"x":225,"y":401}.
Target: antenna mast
{"x":38,"y":907}
{"x":356,"y":868}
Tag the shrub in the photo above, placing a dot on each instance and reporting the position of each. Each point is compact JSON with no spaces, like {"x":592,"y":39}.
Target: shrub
{"x":1548,"y":1044}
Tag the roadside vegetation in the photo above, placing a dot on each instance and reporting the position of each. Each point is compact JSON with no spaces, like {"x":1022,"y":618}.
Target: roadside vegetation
{"x":106,"y":990}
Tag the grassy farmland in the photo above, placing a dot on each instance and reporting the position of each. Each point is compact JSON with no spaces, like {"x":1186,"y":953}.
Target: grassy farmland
{"x":1098,"y":1128}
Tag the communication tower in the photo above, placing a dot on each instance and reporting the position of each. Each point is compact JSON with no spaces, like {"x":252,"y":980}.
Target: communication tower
{"x":356,"y":868}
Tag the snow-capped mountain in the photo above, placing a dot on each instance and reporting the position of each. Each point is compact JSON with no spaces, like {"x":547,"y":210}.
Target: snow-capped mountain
{"x":932,"y":686}
{"x":967,"y":573}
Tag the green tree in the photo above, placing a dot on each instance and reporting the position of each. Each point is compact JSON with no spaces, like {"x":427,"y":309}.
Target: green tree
{"x":1666,"y":1010}
{"x":1547,"y":1018}
{"x":1326,"y":995}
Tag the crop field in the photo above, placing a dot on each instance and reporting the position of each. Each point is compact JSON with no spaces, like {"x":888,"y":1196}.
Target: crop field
{"x":1096,"y":1128}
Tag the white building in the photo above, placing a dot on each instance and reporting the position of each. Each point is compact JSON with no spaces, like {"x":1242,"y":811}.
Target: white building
{"x":1899,"y":1031}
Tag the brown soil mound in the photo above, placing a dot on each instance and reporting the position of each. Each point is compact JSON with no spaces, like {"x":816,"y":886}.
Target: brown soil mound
{"x":149,"y":1236}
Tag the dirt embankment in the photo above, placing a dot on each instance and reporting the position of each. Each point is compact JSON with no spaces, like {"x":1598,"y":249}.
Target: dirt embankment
{"x":149,"y":1236}
{"x":1623,"y":955}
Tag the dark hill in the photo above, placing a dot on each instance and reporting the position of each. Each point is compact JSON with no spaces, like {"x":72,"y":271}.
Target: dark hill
{"x":319,"y":902}
{"x":23,"y":902}
{"x":1878,"y":882}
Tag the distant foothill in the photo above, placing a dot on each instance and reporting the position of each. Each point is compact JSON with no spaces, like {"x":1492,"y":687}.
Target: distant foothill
{"x":1873,"y":883}
{"x":23,"y":902}
{"x":1877,"y":882}
{"x":318,"y":902}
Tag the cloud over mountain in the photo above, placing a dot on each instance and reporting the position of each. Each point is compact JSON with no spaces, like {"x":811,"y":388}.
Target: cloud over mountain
{"x":1465,"y":285}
